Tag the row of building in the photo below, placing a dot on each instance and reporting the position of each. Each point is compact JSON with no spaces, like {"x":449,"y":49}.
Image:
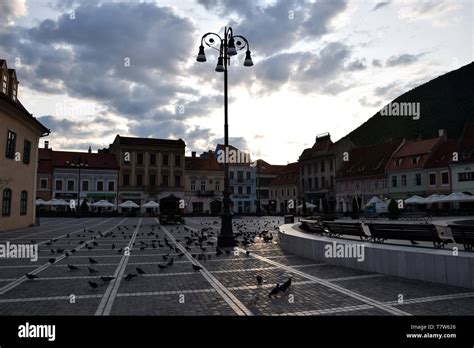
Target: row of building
{"x":329,"y":175}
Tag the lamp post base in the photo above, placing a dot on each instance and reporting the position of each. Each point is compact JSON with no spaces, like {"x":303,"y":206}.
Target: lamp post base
{"x":226,"y":238}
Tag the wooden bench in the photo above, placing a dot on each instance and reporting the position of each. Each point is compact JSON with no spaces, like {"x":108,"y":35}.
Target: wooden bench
{"x":313,"y":226}
{"x":464,"y":235}
{"x":411,"y":232}
{"x":345,"y":228}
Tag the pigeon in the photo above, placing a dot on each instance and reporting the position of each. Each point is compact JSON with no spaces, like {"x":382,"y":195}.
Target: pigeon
{"x":181,"y":255}
{"x":107,"y":279}
{"x":170,"y":262}
{"x":52,"y":260}
{"x":92,"y":270}
{"x":130,"y":276}
{"x":93,"y":285}
{"x":140,"y":271}
{"x":274,"y":291}
{"x":162,"y":266}
{"x":72,"y":267}
{"x":247,"y":252}
{"x":31,"y":276}
{"x":285,"y":285}
{"x":413,"y":242}
{"x":196,"y":267}
{"x":259,"y":280}
{"x":92,"y":261}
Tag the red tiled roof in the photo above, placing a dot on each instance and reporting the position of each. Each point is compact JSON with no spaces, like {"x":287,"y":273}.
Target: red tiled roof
{"x":288,"y":176}
{"x":443,"y":155}
{"x":420,"y":149}
{"x":94,"y":160}
{"x":368,"y":160}
{"x":207,"y":163}
{"x":266,"y":168}
{"x":320,"y":147}
{"x":132,"y":141}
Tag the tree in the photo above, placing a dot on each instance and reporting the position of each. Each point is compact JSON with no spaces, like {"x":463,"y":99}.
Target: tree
{"x":393,"y":209}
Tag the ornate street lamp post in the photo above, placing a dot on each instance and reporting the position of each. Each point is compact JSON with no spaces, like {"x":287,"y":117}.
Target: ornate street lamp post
{"x":228,"y":46}
{"x":79,"y":164}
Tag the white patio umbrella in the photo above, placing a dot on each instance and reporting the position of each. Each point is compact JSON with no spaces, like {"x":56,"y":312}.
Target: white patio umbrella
{"x":103,"y":204}
{"x":373,"y":200}
{"x":457,"y":197}
{"x":415,"y":200}
{"x":151,"y":204}
{"x":434,"y":199}
{"x":308,"y":205}
{"x":56,"y":202}
{"x":129,"y":204}
{"x":39,"y":201}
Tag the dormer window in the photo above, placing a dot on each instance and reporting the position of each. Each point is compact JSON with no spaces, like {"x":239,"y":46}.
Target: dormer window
{"x":4,"y":84}
{"x":415,"y":159}
{"x":14,"y":91}
{"x":398,"y":162}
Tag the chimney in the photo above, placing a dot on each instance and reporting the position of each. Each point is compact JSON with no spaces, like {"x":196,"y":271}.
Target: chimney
{"x":90,"y":150}
{"x":46,"y":144}
{"x":193,"y":154}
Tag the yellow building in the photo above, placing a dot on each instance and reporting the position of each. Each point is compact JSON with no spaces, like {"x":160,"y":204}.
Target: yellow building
{"x":19,"y":137}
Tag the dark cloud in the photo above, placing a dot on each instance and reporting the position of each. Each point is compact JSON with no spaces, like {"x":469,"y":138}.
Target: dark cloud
{"x":377,"y":63}
{"x":403,"y":59}
{"x":380,"y":5}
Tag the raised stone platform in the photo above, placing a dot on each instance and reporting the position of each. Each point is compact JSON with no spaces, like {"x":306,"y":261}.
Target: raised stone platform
{"x":433,"y":265}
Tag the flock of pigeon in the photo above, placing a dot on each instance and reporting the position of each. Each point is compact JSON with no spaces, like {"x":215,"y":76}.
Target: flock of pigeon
{"x":203,"y":240}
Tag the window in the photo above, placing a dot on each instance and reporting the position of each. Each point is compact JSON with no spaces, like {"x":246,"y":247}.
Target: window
{"x":165,"y":160}
{"x":302,"y":183}
{"x":398,"y":162}
{"x":100,"y":186}
{"x":367,"y":185}
{"x":85,"y":185}
{"x":404,"y":180}
{"x":177,"y":181}
{"x":177,"y":160}
{"x":4,"y":84}
{"x":332,"y":180}
{"x":14,"y":91}
{"x":139,"y":158}
{"x":193,"y":185}
{"x":218,"y":186}
{"x":152,"y":159}
{"x":152,"y":180}
{"x":11,"y":144}
{"x":249,"y":177}
{"x":26,"y":152}
{"x":23,"y":202}
{"x":126,"y":179}
{"x":323,"y":182}
{"x":249,"y":190}
{"x":165,"y":180}
{"x":44,"y":184}
{"x":444,"y":178}
{"x":466,"y":176}
{"x":432,"y":179}
{"x":310,"y":183}
{"x":139,"y":180}
{"x":287,"y":191}
{"x":231,"y":175}
{"x":316,"y":182}
{"x":231,"y":190}
{"x":240,"y":190}
{"x":240,"y":176}
{"x":331,"y":165}
{"x":70,"y":185}
{"x":418,"y":179}
{"x":384,"y":183}
{"x":323,"y":166}
{"x":203,"y":185}
{"x":6,"y":202}
{"x":59,"y":185}
{"x":315,"y":167}
{"x":111,"y":185}
{"x":394,"y":181}
{"x":294,"y":192}
{"x":415,"y":159}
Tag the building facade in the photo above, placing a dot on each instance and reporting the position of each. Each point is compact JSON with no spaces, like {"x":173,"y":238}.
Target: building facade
{"x":317,"y":173}
{"x":150,"y":169}
{"x":462,"y":170}
{"x":204,"y":184}
{"x":97,"y":178}
{"x":19,"y":137}
{"x":405,"y":171}
{"x":265,"y":174}
{"x":285,"y":189}
{"x":363,"y":176}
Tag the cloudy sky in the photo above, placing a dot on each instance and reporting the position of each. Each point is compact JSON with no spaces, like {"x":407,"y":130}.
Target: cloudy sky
{"x":92,"y":69}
